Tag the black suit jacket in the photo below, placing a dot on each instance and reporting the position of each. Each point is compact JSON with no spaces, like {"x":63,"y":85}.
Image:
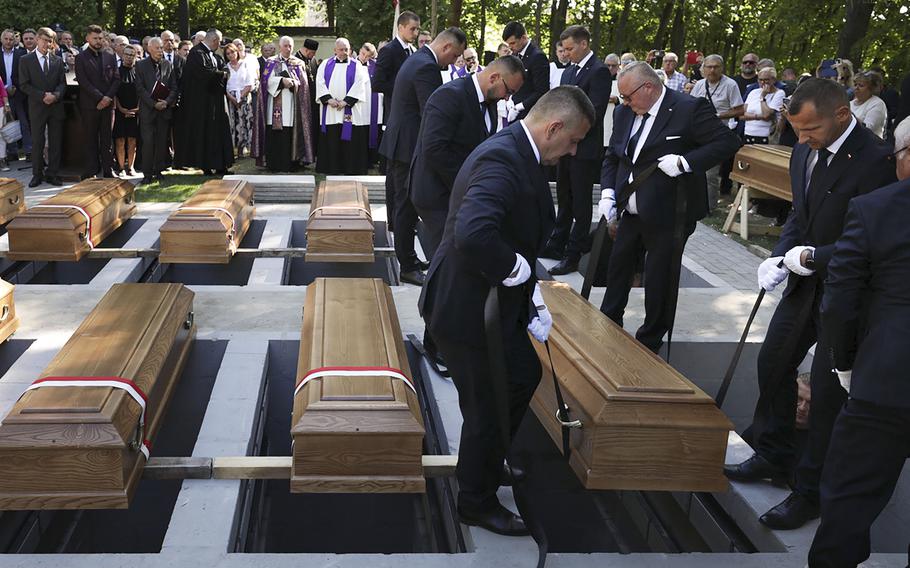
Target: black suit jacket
{"x":34,"y":83}
{"x":4,"y":72}
{"x":94,"y":84}
{"x":862,"y":163}
{"x":684,"y":125}
{"x":389,"y":61}
{"x":500,"y":205}
{"x":451,"y":127}
{"x":418,"y":78}
{"x":537,"y":78}
{"x":146,"y":78}
{"x":596,"y":81}
{"x":866,"y":304}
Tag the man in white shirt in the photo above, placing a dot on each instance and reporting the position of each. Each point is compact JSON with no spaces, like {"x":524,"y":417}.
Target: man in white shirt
{"x":725,"y":96}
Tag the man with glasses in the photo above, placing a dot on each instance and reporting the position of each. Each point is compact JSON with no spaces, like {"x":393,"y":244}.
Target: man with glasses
{"x":576,"y":174}
{"x":682,"y":135}
{"x":471,"y":64}
{"x":748,"y":73}
{"x":675,"y":80}
{"x":725,"y":96}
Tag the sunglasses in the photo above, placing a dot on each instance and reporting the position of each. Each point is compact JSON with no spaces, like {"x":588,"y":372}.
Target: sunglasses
{"x":629,"y":96}
{"x":509,"y":90}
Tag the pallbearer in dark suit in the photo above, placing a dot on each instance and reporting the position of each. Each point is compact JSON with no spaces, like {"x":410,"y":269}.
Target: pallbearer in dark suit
{"x":835,"y":160}
{"x":388,"y":62}
{"x":685,"y":138}
{"x":576,"y":174}
{"x":500,"y":215}
{"x":537,"y":70}
{"x":418,"y":78}
{"x":99,"y":78}
{"x":865,"y":310}
{"x":458,"y":117}
{"x":43,"y":80}
{"x":156,"y":85}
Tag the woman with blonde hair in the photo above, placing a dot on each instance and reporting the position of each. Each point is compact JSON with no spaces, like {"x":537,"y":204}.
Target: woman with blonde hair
{"x":866,"y":105}
{"x":240,"y":83}
{"x":126,"y":122}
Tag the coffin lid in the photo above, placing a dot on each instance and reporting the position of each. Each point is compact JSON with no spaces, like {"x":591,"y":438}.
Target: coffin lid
{"x":92,"y":195}
{"x":232,"y":195}
{"x":8,"y":186}
{"x":341,"y":201}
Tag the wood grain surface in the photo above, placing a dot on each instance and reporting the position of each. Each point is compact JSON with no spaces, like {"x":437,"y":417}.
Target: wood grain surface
{"x":9,"y":321}
{"x":340,"y":226}
{"x":12,"y":199}
{"x":765,"y":167}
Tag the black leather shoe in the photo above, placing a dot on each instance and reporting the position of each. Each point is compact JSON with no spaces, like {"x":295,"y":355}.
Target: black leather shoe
{"x":552,"y":252}
{"x":421,"y":265}
{"x":792,"y":513}
{"x":146,"y":181}
{"x":35,"y":182}
{"x":54,"y":180}
{"x":223,"y":173}
{"x":500,"y":521}
{"x":565,"y":266}
{"x":510,"y":475}
{"x":414,"y":277}
{"x":755,"y":468}
{"x":207,"y":173}
{"x":28,"y":156}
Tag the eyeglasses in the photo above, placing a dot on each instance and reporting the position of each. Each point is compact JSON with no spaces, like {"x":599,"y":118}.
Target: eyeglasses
{"x":750,"y":62}
{"x":901,"y":150}
{"x":509,"y":90}
{"x":629,"y":96}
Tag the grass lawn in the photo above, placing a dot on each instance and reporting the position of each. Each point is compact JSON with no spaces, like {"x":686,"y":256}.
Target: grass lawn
{"x":716,"y":219}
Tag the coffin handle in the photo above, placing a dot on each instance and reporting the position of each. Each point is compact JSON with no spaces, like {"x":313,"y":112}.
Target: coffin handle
{"x":190,"y":318}
{"x":741,"y":165}
{"x":15,"y":200}
{"x":4,"y":313}
{"x":573,"y":424}
{"x":128,"y":199}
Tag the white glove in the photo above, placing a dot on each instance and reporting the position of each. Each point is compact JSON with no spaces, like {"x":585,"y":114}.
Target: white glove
{"x":791,"y":261}
{"x":844,"y":378}
{"x":769,"y":275}
{"x":514,"y":111}
{"x":520,"y":273}
{"x":607,"y":206}
{"x":669,"y":165}
{"x":539,"y":328}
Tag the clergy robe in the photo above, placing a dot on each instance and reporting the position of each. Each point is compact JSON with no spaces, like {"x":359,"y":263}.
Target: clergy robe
{"x":451,"y":73}
{"x":285,"y":147}
{"x":204,"y":131}
{"x":344,"y":133}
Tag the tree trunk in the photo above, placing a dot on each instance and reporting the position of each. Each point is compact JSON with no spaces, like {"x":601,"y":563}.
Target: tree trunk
{"x":557,"y":22}
{"x":678,"y":33}
{"x":454,"y":14}
{"x":100,"y":8}
{"x":620,"y":37}
{"x":330,"y":13}
{"x":538,"y":15}
{"x":119,"y":15}
{"x":481,"y":33}
{"x":183,"y":19}
{"x":660,"y":38}
{"x":595,"y":27}
{"x":856,"y":23}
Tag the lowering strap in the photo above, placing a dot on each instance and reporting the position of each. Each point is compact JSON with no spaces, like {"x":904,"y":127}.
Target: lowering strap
{"x":125,"y":385}
{"x":562,"y":409}
{"x":323,"y":372}
{"x":88,"y":219}
{"x":342,"y":207}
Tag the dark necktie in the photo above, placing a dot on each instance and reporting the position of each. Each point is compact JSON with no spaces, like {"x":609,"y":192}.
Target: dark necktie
{"x":633,"y":141}
{"x":818,"y":172}
{"x":169,"y":58}
{"x":45,"y":64}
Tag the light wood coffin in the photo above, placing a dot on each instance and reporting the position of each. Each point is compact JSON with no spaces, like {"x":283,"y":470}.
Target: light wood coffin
{"x":209,"y":226}
{"x":9,"y":322}
{"x":12,"y":199}
{"x":78,"y":447}
{"x":354,"y":434}
{"x":765,"y":167}
{"x":68,"y":225}
{"x":644,"y":425}
{"x":340,"y":227}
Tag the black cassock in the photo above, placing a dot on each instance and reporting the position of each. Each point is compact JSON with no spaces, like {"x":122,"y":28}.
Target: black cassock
{"x":205,"y":142}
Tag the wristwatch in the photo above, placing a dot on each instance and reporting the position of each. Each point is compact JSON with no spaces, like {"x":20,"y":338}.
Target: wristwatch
{"x":810,"y":259}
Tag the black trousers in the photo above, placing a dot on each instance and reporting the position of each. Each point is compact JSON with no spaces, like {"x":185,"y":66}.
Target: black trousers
{"x":434,"y":223}
{"x":405,"y":216}
{"x":96,"y":125}
{"x":389,"y":192}
{"x":37,"y":123}
{"x":481,"y":451}
{"x":794,"y":328}
{"x":155,"y":130}
{"x":869,"y":445}
{"x":631,"y":237}
{"x":574,"y":182}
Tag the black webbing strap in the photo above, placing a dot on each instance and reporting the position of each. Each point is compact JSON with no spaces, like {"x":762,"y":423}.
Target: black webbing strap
{"x":679,"y":244}
{"x":500,"y":383}
{"x":562,"y":409}
{"x":728,"y":377}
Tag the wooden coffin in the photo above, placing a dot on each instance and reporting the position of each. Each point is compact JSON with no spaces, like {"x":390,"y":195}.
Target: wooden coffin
{"x":354,"y":434}
{"x":12,"y":199}
{"x":68,"y":225}
{"x":644,"y":425}
{"x":209,"y":226}
{"x":9,"y":322}
{"x":765,"y":167}
{"x":340,"y":227}
{"x":80,"y":447}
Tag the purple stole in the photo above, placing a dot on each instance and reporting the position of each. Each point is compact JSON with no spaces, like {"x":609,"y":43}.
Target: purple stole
{"x":374,"y":108}
{"x":455,"y":72}
{"x":347,"y":125}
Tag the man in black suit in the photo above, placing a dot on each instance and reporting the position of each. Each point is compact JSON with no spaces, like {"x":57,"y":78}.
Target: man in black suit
{"x":10,"y":56}
{"x":458,"y":117}
{"x":388,"y":62}
{"x":835,"y":160}
{"x":576,"y":174}
{"x":500,"y":215}
{"x":43,"y":80}
{"x":418,"y":78}
{"x":99,"y":79}
{"x":685,"y":138}
{"x":156,"y":86}
{"x":537,"y":70}
{"x":864,"y":311}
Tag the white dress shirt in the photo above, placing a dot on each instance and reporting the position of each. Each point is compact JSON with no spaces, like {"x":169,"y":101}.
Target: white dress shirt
{"x":482,"y":101}
{"x":531,"y":140}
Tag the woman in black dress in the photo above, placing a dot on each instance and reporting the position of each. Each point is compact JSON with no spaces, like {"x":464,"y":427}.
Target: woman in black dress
{"x":126,"y":123}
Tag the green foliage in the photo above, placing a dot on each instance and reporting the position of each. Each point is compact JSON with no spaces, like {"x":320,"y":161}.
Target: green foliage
{"x":73,"y":14}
